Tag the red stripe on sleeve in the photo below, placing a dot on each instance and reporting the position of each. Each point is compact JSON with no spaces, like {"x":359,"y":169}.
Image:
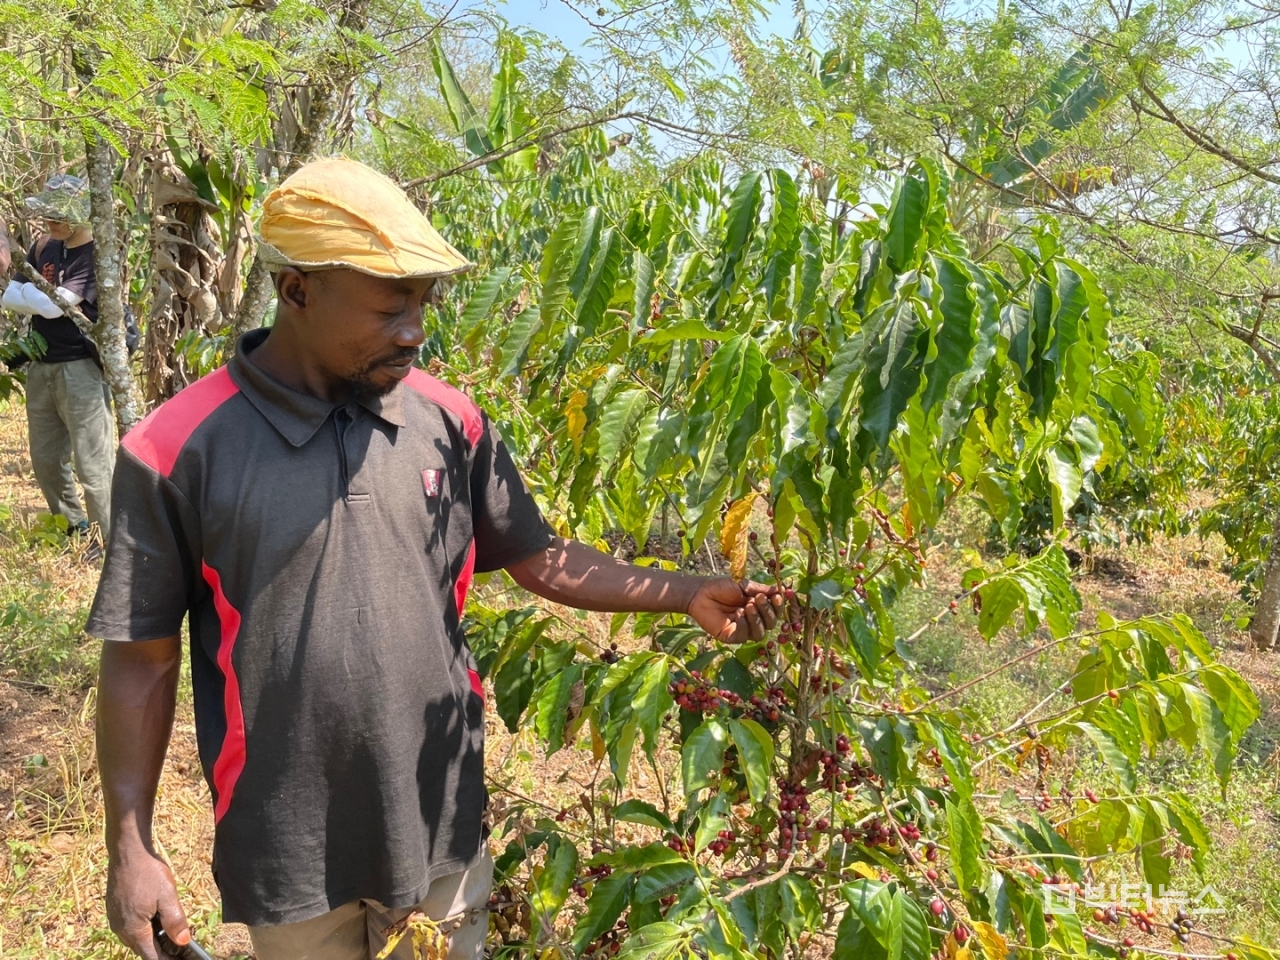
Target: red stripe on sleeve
{"x":477,"y":686}
{"x":463,"y":583}
{"x":161,"y":435}
{"x":230,"y":762}
{"x":453,"y":400}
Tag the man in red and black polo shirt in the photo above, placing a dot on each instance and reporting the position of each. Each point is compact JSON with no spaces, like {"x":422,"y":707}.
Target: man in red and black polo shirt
{"x":317,"y":509}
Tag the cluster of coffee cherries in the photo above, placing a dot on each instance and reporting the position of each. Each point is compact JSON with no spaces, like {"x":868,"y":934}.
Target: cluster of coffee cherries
{"x":1181,"y":925}
{"x":598,"y":872}
{"x":680,"y":845}
{"x":769,"y":707}
{"x":697,"y":696}
{"x":608,"y":943}
{"x":611,"y":655}
{"x":876,"y":833}
{"x":720,"y":845}
{"x":835,"y":777}
{"x":793,"y":815}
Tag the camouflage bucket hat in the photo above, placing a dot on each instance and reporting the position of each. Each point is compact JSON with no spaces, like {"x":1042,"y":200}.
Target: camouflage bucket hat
{"x":64,"y":198}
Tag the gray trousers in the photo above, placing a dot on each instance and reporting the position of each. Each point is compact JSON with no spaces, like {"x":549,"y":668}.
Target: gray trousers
{"x":69,"y":422}
{"x":356,"y":930}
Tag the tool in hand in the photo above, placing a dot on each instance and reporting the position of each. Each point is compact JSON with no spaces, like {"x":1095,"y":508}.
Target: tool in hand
{"x":192,"y":951}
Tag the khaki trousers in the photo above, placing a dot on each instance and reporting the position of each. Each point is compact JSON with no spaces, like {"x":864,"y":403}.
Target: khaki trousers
{"x":69,"y":422}
{"x":354,"y":931}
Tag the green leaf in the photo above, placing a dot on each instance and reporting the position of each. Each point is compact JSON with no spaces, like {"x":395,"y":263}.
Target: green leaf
{"x":656,"y":941}
{"x":619,"y":416}
{"x":1185,"y":819}
{"x":957,"y":408}
{"x":810,"y":273}
{"x":684,"y":330}
{"x":913,"y":923}
{"x":712,"y":819}
{"x":892,"y":374}
{"x":1068,"y":935}
{"x":466,"y":119}
{"x":885,"y":746}
{"x":784,"y":235}
{"x":801,"y":910}
{"x":553,"y":704}
{"x":1211,"y":730}
{"x":755,"y":753}
{"x":588,"y":242}
{"x":854,"y":941}
{"x":825,"y":594}
{"x":907,"y":210}
{"x":638,"y":811}
{"x":552,"y":885}
{"x":515,"y":348}
{"x":1112,"y":753}
{"x":733,"y":375}
{"x":1066,"y":479}
{"x":557,"y":262}
{"x":512,"y":689}
{"x":703,"y":756}
{"x":955,"y":755}
{"x":864,"y":643}
{"x":609,"y":898}
{"x":957,"y":335}
{"x":1000,"y":599}
{"x":744,"y":207}
{"x":663,"y":880}
{"x":482,"y":301}
{"x":643,"y":270}
{"x":1234,"y":697}
{"x":965,"y":827}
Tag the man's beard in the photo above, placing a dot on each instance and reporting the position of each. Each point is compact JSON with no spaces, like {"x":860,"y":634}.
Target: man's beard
{"x":362,"y":386}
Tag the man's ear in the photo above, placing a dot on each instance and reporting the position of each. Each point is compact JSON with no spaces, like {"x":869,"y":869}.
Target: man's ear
{"x":292,"y":288}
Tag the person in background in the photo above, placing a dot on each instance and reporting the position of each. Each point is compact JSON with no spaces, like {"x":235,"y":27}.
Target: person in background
{"x":6,"y":261}
{"x":68,"y":401}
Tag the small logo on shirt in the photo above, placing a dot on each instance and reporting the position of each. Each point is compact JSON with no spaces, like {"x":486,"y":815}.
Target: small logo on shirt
{"x":431,"y":482}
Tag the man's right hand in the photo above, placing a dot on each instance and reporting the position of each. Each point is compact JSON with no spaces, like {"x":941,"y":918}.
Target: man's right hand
{"x":139,"y":888}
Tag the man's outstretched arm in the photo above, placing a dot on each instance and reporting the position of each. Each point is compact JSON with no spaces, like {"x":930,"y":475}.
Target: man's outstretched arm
{"x":137,"y":687}
{"x":580,"y":576}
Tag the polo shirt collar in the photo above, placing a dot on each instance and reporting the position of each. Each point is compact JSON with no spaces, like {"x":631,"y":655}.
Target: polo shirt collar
{"x":296,"y":415}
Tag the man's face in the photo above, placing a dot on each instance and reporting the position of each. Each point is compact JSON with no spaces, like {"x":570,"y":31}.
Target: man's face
{"x":363,"y":331}
{"x":58,"y":229}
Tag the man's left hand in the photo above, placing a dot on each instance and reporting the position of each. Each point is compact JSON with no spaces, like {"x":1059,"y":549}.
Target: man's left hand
{"x":733,"y":611}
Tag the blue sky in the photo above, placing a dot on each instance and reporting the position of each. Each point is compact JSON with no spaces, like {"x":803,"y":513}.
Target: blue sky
{"x":555,"y":19}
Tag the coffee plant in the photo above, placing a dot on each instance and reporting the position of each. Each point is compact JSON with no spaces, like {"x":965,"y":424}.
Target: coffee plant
{"x":807,"y":394}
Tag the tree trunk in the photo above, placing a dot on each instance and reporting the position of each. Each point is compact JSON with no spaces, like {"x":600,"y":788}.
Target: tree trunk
{"x":1266,"y":612}
{"x":258,"y":289}
{"x":108,"y":332}
{"x":187,"y":267}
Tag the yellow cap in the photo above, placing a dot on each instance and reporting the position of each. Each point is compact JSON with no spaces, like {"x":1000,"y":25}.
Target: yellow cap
{"x":340,"y":213}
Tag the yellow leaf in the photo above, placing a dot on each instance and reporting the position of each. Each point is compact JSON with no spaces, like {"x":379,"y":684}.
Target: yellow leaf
{"x":598,"y":747}
{"x":993,"y":944}
{"x":733,"y":535}
{"x":865,"y":870}
{"x":576,"y":412}
{"x":953,"y":951}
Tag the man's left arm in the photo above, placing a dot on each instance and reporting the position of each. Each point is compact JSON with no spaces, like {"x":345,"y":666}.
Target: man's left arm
{"x":511,"y":534}
{"x":580,"y":576}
